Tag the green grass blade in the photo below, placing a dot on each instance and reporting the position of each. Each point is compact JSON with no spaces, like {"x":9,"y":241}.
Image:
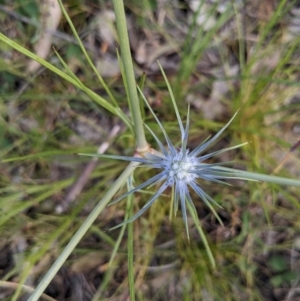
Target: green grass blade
{"x":173,"y":99}
{"x":86,"y":54}
{"x":141,"y":87}
{"x":70,"y":72}
{"x":97,"y":98}
{"x":130,"y":242}
{"x":202,"y":235}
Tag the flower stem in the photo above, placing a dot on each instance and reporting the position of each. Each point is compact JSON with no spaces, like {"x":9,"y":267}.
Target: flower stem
{"x":130,"y":82}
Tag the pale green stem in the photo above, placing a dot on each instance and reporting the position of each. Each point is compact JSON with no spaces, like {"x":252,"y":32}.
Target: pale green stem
{"x":133,"y":99}
{"x":81,"y":232}
{"x":130,"y":243}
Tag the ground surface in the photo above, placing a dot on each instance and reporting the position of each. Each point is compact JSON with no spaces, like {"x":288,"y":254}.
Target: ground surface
{"x":219,"y":57}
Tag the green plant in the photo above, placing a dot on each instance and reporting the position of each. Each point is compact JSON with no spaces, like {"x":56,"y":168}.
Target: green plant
{"x":213,"y":172}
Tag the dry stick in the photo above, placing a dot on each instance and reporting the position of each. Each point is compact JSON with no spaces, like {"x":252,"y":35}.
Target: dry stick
{"x":292,"y":149}
{"x":14,"y":285}
{"x":84,"y":177}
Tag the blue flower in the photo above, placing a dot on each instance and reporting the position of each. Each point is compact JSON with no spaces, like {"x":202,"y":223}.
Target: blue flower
{"x":179,"y":168}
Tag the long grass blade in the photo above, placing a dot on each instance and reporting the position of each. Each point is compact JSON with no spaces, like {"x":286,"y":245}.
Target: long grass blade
{"x":130,"y":242}
{"x":173,"y":99}
{"x":202,"y":235}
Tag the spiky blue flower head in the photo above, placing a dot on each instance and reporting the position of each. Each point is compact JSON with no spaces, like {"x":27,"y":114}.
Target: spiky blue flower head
{"x":180,"y":169}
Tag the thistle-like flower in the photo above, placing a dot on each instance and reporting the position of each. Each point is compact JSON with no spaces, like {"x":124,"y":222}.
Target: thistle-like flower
{"x":180,"y":168}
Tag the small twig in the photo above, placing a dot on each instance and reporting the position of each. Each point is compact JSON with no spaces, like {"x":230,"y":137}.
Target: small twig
{"x":295,"y":146}
{"x":287,"y":156}
{"x":85,"y":175}
{"x":13,"y":285}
